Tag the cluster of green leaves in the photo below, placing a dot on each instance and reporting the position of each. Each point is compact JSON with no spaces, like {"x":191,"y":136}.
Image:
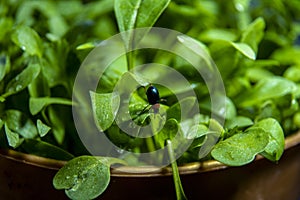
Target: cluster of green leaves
{"x":253,"y":43}
{"x":261,"y":89}
{"x":38,"y":63}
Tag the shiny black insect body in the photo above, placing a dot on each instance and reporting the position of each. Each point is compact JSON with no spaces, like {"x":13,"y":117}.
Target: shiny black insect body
{"x":152,"y":95}
{"x":153,"y":98}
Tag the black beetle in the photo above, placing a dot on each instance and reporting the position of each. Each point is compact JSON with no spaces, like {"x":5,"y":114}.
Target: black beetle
{"x":153,"y":98}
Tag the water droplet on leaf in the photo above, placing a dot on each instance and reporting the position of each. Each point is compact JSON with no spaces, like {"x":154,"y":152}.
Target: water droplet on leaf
{"x":239,"y":7}
{"x":18,"y":87}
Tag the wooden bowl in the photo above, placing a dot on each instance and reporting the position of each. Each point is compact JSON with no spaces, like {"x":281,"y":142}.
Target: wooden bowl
{"x":25,"y":176}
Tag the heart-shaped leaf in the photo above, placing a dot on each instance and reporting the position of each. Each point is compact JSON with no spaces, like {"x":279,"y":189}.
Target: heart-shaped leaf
{"x":241,"y":148}
{"x":84,"y":177}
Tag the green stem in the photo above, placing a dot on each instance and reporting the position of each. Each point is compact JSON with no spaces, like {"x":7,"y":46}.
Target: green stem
{"x":130,"y":60}
{"x":150,"y":144}
{"x":130,"y":53}
{"x":176,"y":178}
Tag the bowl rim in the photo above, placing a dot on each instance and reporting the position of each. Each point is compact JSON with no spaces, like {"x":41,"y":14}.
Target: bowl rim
{"x":131,"y":171}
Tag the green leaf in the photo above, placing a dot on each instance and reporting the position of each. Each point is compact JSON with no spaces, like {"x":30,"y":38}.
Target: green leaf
{"x":36,"y":104}
{"x":54,"y":63}
{"x":245,"y":49}
{"x":46,"y":9}
{"x":225,"y":56}
{"x":215,"y":131}
{"x":254,"y":33}
{"x":13,"y":138}
{"x":39,"y":87}
{"x":215,"y":126}
{"x":22,"y":80}
{"x":19,"y":123}
{"x":84,"y":177}
{"x":197,"y":132}
{"x":105,"y":107}
{"x":217,"y":34}
{"x":275,"y":147}
{"x":44,"y":149}
{"x":116,"y":136}
{"x":112,"y":75}
{"x":293,"y":73}
{"x":241,"y":148}
{"x":269,"y":109}
{"x":88,"y":45}
{"x":198,"y":48}
{"x":28,"y":40}
{"x":43,"y":129}
{"x":287,"y":55}
{"x":133,"y":14}
{"x":239,"y":121}
{"x":5,"y":25}
{"x":267,"y":88}
{"x":230,"y":112}
{"x":257,"y":74}
{"x":130,"y":78}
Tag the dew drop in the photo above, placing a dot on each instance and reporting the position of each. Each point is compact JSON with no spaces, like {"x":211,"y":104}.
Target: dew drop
{"x":18,"y":87}
{"x":68,"y":177}
{"x":239,"y":7}
{"x":23,"y":48}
